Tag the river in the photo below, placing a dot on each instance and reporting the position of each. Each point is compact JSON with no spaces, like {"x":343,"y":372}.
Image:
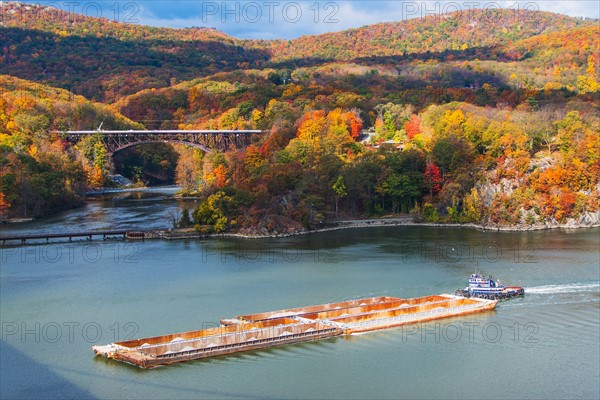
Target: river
{"x":58,"y":300}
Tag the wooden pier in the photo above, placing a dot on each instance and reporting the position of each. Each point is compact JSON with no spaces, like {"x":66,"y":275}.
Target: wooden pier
{"x":42,"y":238}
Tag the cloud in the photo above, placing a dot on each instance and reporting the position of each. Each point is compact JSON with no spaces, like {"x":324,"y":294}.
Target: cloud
{"x":574,"y":8}
{"x":286,"y":19}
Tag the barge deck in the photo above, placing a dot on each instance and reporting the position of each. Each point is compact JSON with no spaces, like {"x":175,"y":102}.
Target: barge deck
{"x":275,"y":328}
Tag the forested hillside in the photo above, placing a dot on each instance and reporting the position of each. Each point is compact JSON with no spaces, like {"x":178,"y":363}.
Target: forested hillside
{"x":104,"y":60}
{"x":479,"y":117}
{"x":39,"y":171}
{"x":481,"y":32}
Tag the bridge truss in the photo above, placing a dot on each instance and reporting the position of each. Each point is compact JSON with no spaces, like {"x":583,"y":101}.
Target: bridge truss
{"x":206,"y":140}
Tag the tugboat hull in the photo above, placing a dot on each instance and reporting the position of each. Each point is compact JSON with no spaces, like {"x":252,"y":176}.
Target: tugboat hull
{"x":487,"y":288}
{"x":506,"y":293}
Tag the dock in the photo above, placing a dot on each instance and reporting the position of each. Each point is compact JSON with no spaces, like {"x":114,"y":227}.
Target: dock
{"x":12,"y":240}
{"x":296,"y":325}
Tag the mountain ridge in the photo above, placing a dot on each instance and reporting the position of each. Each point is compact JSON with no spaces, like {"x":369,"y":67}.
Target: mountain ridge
{"x":105,"y":60}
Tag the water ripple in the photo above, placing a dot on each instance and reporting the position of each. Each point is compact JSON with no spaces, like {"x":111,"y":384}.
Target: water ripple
{"x":566,"y":288}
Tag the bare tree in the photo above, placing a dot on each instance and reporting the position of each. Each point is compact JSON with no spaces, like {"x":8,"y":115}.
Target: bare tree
{"x":174,"y":215}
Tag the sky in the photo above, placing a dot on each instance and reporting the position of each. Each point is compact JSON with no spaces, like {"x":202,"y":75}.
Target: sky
{"x":287,"y":19}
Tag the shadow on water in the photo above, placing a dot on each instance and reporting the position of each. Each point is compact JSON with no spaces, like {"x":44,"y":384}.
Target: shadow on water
{"x":129,"y":369}
{"x":44,"y":383}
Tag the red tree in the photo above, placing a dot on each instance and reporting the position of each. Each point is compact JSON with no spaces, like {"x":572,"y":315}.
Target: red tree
{"x":412,"y":126}
{"x":356,"y":123}
{"x":4,"y":204}
{"x":433,"y":179}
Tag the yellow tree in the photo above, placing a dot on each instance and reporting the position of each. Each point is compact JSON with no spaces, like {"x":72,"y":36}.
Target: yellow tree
{"x":311,"y":127}
{"x":570,"y":131}
{"x":95,"y":177}
{"x":452,"y":123}
{"x":338,"y":131}
{"x":3,"y":117}
{"x":587,"y":84}
{"x":472,"y":207}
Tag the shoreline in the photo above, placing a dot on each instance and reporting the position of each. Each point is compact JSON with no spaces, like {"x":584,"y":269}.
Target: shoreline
{"x":423,"y":224}
{"x":189,"y":233}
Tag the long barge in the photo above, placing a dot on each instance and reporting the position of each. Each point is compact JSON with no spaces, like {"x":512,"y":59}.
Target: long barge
{"x":296,"y":325}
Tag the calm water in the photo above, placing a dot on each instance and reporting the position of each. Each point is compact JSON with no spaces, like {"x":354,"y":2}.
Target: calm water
{"x":59,"y":300}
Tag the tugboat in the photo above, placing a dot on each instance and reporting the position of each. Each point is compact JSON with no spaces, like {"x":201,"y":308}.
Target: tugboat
{"x":487,"y":288}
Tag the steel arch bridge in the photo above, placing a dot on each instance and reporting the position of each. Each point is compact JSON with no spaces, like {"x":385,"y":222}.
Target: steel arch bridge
{"x":207,"y":140}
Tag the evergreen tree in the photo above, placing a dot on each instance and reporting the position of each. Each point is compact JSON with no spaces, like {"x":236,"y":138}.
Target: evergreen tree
{"x":185,"y":221}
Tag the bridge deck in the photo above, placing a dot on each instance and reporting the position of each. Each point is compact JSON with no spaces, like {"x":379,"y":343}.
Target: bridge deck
{"x":205,"y":139}
{"x":158,"y":132}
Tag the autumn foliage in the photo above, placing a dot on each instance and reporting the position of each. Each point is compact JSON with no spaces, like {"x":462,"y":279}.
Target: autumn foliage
{"x":464,"y":118}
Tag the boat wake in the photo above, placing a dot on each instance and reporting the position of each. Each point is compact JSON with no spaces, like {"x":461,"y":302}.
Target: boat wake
{"x":567,"y":288}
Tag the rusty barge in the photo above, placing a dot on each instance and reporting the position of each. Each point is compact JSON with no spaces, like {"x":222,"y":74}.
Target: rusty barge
{"x":275,"y":328}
